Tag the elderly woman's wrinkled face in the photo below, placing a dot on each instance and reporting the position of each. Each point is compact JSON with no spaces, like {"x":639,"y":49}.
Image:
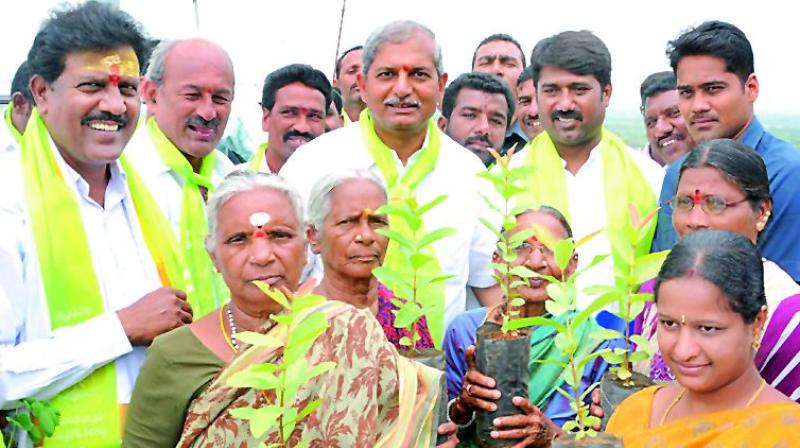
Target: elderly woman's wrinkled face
{"x":348,"y":241}
{"x":258,"y":238}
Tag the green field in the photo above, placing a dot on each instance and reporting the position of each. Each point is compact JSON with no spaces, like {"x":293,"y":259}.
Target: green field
{"x":630,"y":127}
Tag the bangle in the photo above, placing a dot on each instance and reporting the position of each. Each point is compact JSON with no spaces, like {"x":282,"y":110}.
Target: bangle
{"x":465,"y":425}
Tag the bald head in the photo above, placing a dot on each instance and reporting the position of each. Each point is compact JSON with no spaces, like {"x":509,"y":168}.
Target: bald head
{"x":189,"y":89}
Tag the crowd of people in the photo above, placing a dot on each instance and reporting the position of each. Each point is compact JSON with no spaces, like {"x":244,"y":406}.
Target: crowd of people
{"x":132,"y":247}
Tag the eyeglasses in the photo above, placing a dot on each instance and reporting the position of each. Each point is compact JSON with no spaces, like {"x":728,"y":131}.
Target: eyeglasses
{"x":713,"y":205}
{"x":524,"y":250}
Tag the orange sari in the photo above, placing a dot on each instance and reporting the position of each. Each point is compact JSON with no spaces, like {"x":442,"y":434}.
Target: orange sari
{"x":761,"y":426}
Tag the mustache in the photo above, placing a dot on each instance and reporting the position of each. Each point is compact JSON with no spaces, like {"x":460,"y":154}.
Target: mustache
{"x":305,"y":135}
{"x":396,"y":102}
{"x":200,"y":121}
{"x":477,"y":138}
{"x":676,"y":135}
{"x":568,"y":115}
{"x":121,"y":120}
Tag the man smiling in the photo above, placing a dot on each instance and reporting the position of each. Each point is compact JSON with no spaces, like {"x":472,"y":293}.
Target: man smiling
{"x":667,"y":136}
{"x":189,"y":89}
{"x":580,"y":168}
{"x":83,"y":281}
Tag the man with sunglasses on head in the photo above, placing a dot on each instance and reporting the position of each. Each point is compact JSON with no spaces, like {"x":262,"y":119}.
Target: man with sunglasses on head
{"x":717,"y":88}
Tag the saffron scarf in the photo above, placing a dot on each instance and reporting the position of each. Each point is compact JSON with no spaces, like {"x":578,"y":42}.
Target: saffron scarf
{"x":401,"y":188}
{"x":206,"y":291}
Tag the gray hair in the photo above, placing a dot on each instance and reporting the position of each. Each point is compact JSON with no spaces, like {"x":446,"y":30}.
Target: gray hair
{"x":242,"y":181}
{"x":155,"y":66}
{"x":398,"y":32}
{"x":319,"y":204}
{"x":158,"y":58}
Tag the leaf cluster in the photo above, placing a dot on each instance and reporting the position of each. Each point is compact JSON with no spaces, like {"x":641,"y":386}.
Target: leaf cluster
{"x":284,"y":379}
{"x":36,"y":417}
{"x":414,"y":286}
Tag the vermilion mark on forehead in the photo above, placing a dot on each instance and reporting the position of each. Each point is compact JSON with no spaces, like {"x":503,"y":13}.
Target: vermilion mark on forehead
{"x":366,"y":213}
{"x":696,"y":198}
{"x":303,"y":110}
{"x":259,"y":233}
{"x":114,"y":77}
{"x":406,"y":68}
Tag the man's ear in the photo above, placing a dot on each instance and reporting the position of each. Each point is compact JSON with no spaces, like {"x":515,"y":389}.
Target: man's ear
{"x":361,"y":86}
{"x":265,"y":119}
{"x":40,"y":91}
{"x":149,"y":94}
{"x":751,"y":88}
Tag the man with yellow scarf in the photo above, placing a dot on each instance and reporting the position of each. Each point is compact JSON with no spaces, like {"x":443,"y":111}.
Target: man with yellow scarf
{"x":188,"y":89}
{"x":88,"y":277}
{"x":581,"y":168}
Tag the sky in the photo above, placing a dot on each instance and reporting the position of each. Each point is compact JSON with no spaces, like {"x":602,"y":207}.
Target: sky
{"x":264,"y":35}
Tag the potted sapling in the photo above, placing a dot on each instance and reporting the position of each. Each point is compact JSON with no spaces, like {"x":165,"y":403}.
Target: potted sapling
{"x":414,"y":276}
{"x":633,"y":266}
{"x":568,"y":323}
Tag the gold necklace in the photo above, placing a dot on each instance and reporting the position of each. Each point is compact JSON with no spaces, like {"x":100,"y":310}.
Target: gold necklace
{"x":683,"y":392}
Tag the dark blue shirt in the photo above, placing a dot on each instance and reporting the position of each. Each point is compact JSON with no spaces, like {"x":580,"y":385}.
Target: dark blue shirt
{"x":780,"y":240}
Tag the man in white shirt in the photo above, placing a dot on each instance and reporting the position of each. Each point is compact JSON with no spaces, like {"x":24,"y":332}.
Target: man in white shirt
{"x":578,"y":163}
{"x":189,"y":87}
{"x":401,"y":81}
{"x":84,"y":62}
{"x":294,"y":101}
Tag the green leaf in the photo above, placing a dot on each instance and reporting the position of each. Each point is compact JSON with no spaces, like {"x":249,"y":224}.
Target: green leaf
{"x":261,"y":420}
{"x":520,"y":237}
{"x":440,"y":278}
{"x":418,"y":260}
{"x":47,"y":415}
{"x":555,"y":293}
{"x":553,"y":362}
{"x":605,"y":334}
{"x":613,"y":358}
{"x":592,"y":420}
{"x":621,"y":247}
{"x":586,"y":359}
{"x":258,"y":339}
{"x":310,"y":407}
{"x":22,"y":420}
{"x":595,"y":306}
{"x":307,"y":301}
{"x":595,"y":261}
{"x":646,"y":267}
{"x":429,"y":205}
{"x":623,"y":373}
{"x":588,"y":238}
{"x":639,"y":355}
{"x":492,"y":227}
{"x":435,"y":235}
{"x":589,"y":390}
{"x":522,"y":272}
{"x":569,"y":426}
{"x":599,"y":290}
{"x":394,"y":235}
{"x":566,"y":343}
{"x":253,"y":379}
{"x":563,"y":253}
{"x":544,"y":235}
{"x":273,"y":294}
{"x":391,"y":279}
{"x":517,"y":302}
{"x":407,"y":315}
{"x":533,"y":321}
{"x":405,"y":341}
{"x":640,"y":341}
{"x":555,"y":308}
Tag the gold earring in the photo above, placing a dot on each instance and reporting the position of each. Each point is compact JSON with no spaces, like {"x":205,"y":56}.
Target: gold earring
{"x":756,"y":344}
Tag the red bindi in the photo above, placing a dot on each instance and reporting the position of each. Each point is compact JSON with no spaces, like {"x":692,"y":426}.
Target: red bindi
{"x":303,"y":110}
{"x":406,"y":68}
{"x":696,"y":198}
{"x":259,"y":233}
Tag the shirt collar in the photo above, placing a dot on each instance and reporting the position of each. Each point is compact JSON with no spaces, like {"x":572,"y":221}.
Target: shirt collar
{"x":753,"y":133}
{"x":516,"y":128}
{"x":115,"y":191}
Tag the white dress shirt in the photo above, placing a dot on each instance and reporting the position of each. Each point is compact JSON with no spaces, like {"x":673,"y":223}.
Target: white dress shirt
{"x":467,"y":254}
{"x":587,"y":208}
{"x":165,"y":184}
{"x":36,"y":361}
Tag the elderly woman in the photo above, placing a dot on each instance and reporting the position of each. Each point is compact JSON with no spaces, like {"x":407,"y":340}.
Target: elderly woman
{"x":256,"y":233}
{"x":343,"y":231}
{"x":711,"y":311}
{"x":723,"y":184}
{"x":470,"y":390}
